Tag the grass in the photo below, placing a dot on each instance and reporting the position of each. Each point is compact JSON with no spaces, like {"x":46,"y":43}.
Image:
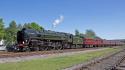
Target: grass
{"x":56,"y":63}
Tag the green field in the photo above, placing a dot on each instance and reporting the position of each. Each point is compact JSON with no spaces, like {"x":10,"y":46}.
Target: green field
{"x":55,"y":63}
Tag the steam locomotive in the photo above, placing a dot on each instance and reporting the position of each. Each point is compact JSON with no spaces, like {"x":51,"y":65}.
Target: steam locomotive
{"x":30,"y":39}
{"x":34,"y":40}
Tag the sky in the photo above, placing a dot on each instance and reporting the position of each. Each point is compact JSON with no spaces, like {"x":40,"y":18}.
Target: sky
{"x":105,"y":17}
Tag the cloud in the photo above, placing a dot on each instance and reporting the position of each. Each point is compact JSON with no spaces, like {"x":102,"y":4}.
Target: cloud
{"x":58,"y":21}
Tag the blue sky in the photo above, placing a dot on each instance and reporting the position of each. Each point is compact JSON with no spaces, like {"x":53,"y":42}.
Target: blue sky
{"x":105,"y":17}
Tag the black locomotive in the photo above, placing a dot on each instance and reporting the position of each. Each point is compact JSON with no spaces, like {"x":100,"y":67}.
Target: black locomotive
{"x":34,"y":40}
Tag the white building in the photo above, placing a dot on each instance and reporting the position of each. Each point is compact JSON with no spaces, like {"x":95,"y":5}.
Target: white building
{"x":1,"y":42}
{"x":2,"y":46}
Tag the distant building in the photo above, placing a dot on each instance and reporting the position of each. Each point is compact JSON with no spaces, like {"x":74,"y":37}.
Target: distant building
{"x":1,"y":42}
{"x":2,"y":46}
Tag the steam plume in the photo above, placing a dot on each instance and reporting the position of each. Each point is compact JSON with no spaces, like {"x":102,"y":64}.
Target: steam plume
{"x":58,"y":21}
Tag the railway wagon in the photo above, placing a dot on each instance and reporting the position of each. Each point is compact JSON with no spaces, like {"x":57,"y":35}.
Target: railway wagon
{"x":98,"y":42}
{"x":101,"y":42}
{"x":92,"y":42}
{"x":112,"y":43}
{"x":117,"y":43}
{"x":88,"y":42}
{"x":105,"y":43}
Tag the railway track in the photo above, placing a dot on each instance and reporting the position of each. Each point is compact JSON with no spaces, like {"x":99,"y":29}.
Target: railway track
{"x":114,"y":61}
{"x":19,"y":54}
{"x":120,"y":64}
{"x":109,"y":63}
{"x":16,"y":57}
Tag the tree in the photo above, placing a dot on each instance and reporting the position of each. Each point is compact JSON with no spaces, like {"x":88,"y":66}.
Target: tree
{"x":33,"y":25}
{"x":36,"y":26}
{"x":19,"y":26}
{"x":81,"y":35}
{"x":2,"y":31}
{"x":27,"y":25}
{"x":77,"y":32}
{"x":11,"y":33}
{"x":90,"y":34}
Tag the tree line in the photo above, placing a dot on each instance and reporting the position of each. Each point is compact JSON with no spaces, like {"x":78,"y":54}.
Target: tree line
{"x":9,"y":33}
{"x":88,"y":34}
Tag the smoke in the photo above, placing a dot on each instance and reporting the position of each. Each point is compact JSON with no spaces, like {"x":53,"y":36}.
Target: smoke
{"x":58,"y":21}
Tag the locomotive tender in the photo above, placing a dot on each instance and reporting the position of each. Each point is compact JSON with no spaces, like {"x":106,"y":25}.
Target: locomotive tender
{"x":34,"y":40}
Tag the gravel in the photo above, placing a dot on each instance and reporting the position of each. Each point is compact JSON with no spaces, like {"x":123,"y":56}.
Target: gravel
{"x":44,"y":56}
